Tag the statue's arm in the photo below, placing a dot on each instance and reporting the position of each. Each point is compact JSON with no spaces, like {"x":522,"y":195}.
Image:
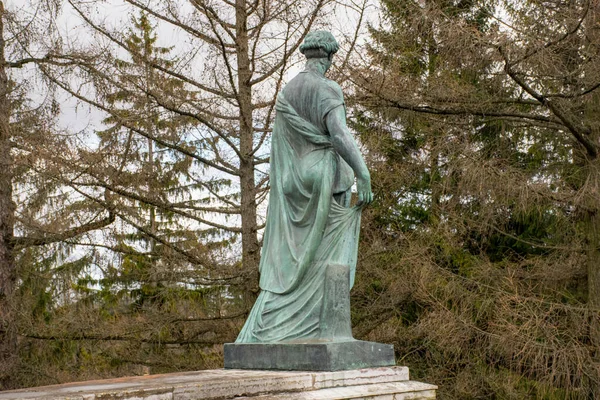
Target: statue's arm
{"x":345,"y":145}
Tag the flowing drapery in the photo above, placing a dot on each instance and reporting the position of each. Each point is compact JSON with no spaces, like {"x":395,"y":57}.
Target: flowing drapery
{"x":307,"y":229}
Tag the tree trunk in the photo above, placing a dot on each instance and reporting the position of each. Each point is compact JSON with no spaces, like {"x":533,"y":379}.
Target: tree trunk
{"x":250,"y":244}
{"x":8,"y":341}
{"x":434,"y":181}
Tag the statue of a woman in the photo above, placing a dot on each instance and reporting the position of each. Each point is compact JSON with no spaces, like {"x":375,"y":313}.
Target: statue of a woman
{"x":310,"y":225}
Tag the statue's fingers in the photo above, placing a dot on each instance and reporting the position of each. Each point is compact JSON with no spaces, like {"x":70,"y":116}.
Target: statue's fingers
{"x":370,"y":197}
{"x":361,"y":197}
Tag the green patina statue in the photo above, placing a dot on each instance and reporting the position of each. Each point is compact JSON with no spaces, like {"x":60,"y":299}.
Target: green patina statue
{"x":310,"y":226}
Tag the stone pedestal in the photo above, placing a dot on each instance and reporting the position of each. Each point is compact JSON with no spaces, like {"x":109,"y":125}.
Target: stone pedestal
{"x":309,"y":356}
{"x":373,"y":383}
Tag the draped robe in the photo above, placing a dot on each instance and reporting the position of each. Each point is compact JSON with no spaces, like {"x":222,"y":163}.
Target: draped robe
{"x":309,"y":224}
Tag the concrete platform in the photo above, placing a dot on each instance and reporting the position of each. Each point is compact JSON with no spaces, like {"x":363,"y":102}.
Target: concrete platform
{"x":372,"y":383}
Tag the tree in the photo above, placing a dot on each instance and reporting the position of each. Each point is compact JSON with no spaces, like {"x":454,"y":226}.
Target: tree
{"x":143,"y":169}
{"x":486,"y":114}
{"x":147,"y":270}
{"x":232,"y":115}
{"x":30,"y":145}
{"x":168,"y":185}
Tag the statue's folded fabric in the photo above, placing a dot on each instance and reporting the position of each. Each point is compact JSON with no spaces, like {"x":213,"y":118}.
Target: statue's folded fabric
{"x":309,"y":225}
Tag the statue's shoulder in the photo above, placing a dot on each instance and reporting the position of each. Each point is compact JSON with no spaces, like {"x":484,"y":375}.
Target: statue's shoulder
{"x":309,"y":82}
{"x":334,"y":87}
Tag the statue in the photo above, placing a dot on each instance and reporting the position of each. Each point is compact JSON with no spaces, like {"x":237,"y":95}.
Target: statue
{"x":310,"y":245}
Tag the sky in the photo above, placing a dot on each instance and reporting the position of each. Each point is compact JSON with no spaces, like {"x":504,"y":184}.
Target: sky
{"x":116,"y":14}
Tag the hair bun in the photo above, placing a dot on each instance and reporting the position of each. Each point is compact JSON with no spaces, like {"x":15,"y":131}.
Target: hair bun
{"x":316,"y":40}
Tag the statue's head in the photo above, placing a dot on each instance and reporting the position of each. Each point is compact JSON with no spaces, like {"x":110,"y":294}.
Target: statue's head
{"x":320,"y":44}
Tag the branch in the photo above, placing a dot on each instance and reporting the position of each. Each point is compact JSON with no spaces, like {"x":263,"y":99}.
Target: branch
{"x":187,"y":28}
{"x":208,"y":187}
{"x":230,"y":73}
{"x":280,"y":64}
{"x":580,"y":133}
{"x":23,"y":242}
{"x":574,"y":95}
{"x":242,"y":314}
{"x":427,"y":109}
{"x":189,"y":257}
{"x":158,"y":204}
{"x":47,"y":59}
{"x":84,"y":336}
{"x":132,"y":127}
{"x":479,"y":113}
{"x":157,"y":98}
{"x":205,"y":9}
{"x":355,"y":38}
{"x":219,"y":210}
{"x":197,"y":117}
{"x":155,"y":65}
{"x":124,"y":250}
{"x":557,"y":41}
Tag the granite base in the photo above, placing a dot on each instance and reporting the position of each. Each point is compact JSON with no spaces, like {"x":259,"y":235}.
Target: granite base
{"x":309,"y":356}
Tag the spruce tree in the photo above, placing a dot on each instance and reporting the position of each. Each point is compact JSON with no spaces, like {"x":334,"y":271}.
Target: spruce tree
{"x":477,"y":119}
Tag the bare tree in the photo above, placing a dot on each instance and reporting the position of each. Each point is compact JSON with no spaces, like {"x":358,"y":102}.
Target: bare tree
{"x":137,"y":222}
{"x":234,"y":64}
{"x":29,"y":141}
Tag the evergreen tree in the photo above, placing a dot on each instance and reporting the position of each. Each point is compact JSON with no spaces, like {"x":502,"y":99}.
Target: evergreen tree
{"x":38,"y":214}
{"x":163,"y":265}
{"x":483,"y":144}
{"x":149,"y":293}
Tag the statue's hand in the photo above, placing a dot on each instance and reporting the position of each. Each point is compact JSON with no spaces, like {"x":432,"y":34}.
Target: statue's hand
{"x":363,"y":186}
